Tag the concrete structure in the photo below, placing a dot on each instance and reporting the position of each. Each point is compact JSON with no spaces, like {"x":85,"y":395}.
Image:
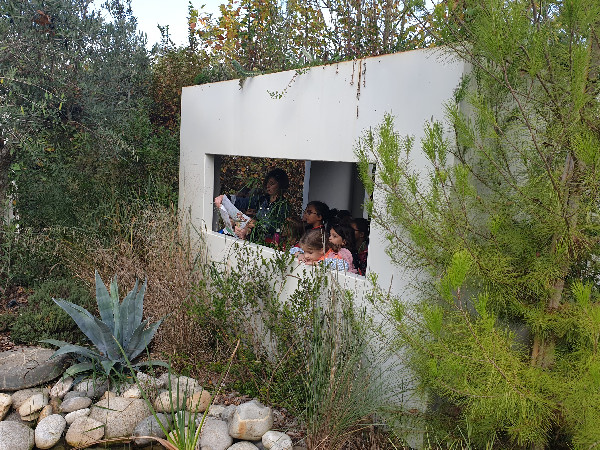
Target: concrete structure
{"x":319,"y":118}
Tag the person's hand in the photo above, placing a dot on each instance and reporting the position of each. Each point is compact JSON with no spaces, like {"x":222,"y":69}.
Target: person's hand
{"x":240,"y":232}
{"x":300,"y":257}
{"x":218,"y":201}
{"x":243,"y":233}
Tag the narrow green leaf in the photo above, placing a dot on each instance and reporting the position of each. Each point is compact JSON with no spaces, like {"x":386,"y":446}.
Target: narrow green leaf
{"x":78,"y":368}
{"x":141,"y":338}
{"x":65,"y":348}
{"x":106,"y":340}
{"x":114,"y":296}
{"x":86,"y":323}
{"x":127,"y":313}
{"x":104,"y":303}
{"x":107,"y":366}
{"x":152,"y":362}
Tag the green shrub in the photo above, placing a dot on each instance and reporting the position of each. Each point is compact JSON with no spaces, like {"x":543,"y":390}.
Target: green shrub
{"x":5,"y":321}
{"x":28,"y":256}
{"x":311,"y":352}
{"x":42,"y":319}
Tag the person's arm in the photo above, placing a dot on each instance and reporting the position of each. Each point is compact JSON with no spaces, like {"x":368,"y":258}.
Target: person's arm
{"x":242,"y":203}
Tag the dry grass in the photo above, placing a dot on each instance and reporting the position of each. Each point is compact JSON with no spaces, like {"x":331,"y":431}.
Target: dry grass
{"x":157,"y":248}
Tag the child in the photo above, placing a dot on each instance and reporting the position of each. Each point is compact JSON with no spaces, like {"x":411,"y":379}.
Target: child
{"x":341,"y":239}
{"x":361,"y":235}
{"x":313,"y":245}
{"x":315,"y":215}
{"x":292,"y":232}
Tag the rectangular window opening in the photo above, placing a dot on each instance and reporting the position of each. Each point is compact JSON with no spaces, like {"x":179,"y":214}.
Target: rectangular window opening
{"x":337,"y":184}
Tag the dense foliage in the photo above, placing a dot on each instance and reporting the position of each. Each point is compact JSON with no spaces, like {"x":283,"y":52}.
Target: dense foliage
{"x":506,"y":224}
{"x":41,"y":319}
{"x":76,"y":132}
{"x":305,"y":352}
{"x":271,"y":35}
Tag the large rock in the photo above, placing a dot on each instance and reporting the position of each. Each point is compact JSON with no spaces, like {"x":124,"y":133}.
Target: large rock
{"x":28,"y":366}
{"x":32,"y":405}
{"x":120,"y":415}
{"x":133,"y":392}
{"x":16,"y":436}
{"x":72,"y":394}
{"x":276,"y":440}
{"x":216,"y":411}
{"x":20,"y":397}
{"x":147,"y":381}
{"x":72,"y":416}
{"x":185,"y":385}
{"x":250,"y":421}
{"x":214,"y":435}
{"x":227,"y":413}
{"x":75,"y":403}
{"x":49,"y":431}
{"x":150,"y":427}
{"x":45,"y":412}
{"x":61,"y":387}
{"x":16,"y":417}
{"x":84,"y":431}
{"x":5,"y":404}
{"x":170,"y":401}
{"x":243,"y":445}
{"x":91,"y":387}
{"x":33,"y":417}
{"x":198,"y":401}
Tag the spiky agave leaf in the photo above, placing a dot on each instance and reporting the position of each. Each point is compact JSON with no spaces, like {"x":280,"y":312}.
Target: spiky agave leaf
{"x":114,"y":296}
{"x":78,"y":368}
{"x":131,"y":313}
{"x":87,"y":323}
{"x":121,"y":327}
{"x":108,"y":365}
{"x":152,"y":362}
{"x":105,"y":303}
{"x":65,"y":347}
{"x":141,"y":338}
{"x":108,"y":340}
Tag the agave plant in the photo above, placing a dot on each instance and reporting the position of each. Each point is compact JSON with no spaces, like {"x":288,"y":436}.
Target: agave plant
{"x":119,"y":336}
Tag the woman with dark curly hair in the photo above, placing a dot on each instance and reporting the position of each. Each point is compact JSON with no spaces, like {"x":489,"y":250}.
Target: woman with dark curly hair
{"x":268,"y":211}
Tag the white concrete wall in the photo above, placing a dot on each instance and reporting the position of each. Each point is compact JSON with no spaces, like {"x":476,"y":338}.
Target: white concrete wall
{"x":319,"y":118}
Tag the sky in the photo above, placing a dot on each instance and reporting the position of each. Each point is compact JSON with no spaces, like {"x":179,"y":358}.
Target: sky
{"x":151,"y":13}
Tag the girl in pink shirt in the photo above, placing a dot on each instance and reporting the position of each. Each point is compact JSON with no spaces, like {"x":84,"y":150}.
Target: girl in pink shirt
{"x":341,"y":237}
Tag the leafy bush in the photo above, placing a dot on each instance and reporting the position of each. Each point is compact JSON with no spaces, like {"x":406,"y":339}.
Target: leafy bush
{"x":28,"y":257}
{"x":306,"y":353}
{"x":41,"y":319}
{"x":227,"y":295}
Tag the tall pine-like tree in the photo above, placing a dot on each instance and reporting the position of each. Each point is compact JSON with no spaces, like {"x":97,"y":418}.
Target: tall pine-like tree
{"x":506,"y":224}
